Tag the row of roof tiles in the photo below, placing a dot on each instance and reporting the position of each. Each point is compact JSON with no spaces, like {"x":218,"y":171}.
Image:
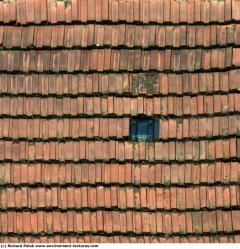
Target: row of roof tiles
{"x":57,"y":129}
{"x":73,"y":128}
{"x":159,"y":11}
{"x":108,"y":222}
{"x":120,"y":198}
{"x":69,"y":36}
{"x":163,"y":84}
{"x":119,"y":60}
{"x":119,"y":106}
{"x":120,"y":239}
{"x":37,"y":174}
{"x":121,"y":151}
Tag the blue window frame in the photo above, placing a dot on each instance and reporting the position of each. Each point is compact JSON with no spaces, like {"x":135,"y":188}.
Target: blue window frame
{"x":142,"y":129}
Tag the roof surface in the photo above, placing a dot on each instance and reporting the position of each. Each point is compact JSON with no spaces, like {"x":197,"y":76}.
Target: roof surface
{"x":73,"y":73}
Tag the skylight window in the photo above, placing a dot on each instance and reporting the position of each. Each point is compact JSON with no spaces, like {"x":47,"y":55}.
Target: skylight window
{"x":144,"y":129}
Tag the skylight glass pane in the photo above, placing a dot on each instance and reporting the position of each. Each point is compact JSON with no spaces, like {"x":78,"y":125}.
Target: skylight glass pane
{"x":144,"y":129}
